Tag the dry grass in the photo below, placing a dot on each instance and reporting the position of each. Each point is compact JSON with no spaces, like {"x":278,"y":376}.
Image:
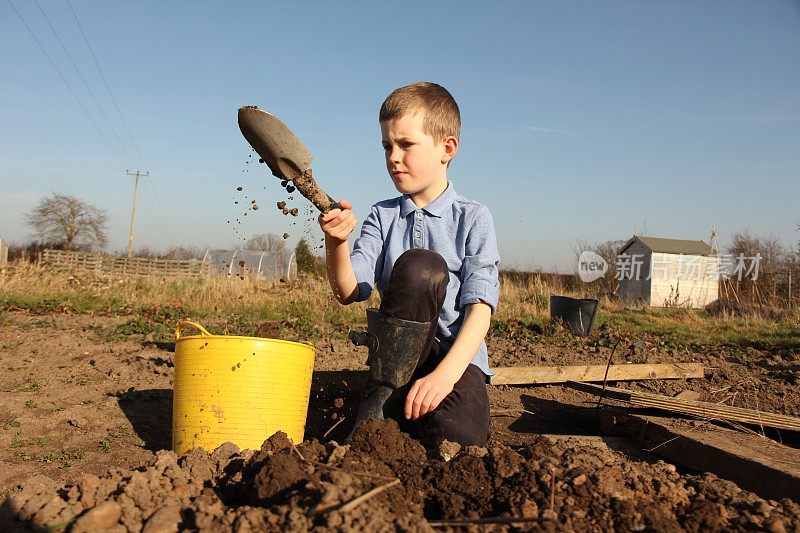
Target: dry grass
{"x":307,"y":306}
{"x":39,"y":289}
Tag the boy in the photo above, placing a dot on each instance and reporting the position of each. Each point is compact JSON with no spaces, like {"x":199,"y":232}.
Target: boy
{"x":433,"y":256}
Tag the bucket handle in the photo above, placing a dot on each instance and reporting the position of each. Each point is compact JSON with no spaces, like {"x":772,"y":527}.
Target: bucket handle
{"x":183,"y":323}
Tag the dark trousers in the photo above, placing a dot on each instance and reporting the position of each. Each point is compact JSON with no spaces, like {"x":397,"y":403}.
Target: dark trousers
{"x":416,"y":291}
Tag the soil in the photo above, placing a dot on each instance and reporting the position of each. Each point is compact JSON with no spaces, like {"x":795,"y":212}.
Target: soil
{"x":308,"y":187}
{"x":85,"y":425}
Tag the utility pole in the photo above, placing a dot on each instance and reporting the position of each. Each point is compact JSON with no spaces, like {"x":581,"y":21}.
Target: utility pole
{"x":133,"y":210}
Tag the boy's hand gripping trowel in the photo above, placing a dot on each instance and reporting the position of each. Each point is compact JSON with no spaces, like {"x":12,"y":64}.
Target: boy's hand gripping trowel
{"x":284,"y":153}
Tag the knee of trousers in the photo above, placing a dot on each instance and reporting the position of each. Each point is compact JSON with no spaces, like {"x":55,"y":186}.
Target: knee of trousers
{"x":423,"y":269}
{"x":439,"y":426}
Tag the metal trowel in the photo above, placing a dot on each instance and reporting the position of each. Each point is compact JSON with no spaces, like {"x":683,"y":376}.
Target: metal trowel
{"x":285,"y":155}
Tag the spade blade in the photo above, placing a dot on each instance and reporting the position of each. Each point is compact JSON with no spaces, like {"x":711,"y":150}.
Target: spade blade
{"x":285,"y":155}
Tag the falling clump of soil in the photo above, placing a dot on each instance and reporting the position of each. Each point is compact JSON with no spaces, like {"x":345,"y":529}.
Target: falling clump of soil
{"x":563,"y":485}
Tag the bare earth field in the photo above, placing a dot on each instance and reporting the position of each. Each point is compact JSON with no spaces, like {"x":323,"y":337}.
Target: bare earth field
{"x":85,"y":415}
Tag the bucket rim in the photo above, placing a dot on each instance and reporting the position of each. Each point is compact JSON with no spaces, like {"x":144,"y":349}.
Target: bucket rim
{"x":562,"y":297}
{"x":204,"y":334}
{"x":244,"y":338}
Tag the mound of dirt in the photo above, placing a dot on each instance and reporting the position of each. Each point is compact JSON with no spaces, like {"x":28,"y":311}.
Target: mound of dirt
{"x":563,"y":485}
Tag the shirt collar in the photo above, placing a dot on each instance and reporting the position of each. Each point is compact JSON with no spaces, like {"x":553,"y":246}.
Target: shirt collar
{"x":435,"y":208}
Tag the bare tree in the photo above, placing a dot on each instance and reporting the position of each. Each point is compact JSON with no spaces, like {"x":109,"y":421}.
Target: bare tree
{"x":608,"y":250}
{"x":268,"y":242}
{"x":765,"y":256}
{"x":768,"y":247}
{"x":68,"y":221}
{"x":183,"y":252}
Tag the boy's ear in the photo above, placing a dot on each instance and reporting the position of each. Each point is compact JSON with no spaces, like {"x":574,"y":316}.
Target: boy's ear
{"x":450,"y":149}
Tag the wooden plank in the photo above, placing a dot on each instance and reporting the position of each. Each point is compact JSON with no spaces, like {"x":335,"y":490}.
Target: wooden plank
{"x":755,"y":463}
{"x":531,"y":375}
{"x":690,"y":407}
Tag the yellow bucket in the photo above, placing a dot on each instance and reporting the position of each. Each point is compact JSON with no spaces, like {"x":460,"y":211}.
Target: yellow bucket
{"x":237,"y":389}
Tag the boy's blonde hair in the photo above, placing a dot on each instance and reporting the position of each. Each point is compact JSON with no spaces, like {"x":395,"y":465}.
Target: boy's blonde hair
{"x":442,"y":117}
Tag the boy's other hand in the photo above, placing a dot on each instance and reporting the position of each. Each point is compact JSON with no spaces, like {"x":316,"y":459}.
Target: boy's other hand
{"x":427,"y":393}
{"x":337,"y":224}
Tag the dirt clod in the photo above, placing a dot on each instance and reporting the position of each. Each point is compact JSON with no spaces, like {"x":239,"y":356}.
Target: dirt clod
{"x":576,"y":486}
{"x":165,"y":520}
{"x":105,"y":515}
{"x":448,"y":450}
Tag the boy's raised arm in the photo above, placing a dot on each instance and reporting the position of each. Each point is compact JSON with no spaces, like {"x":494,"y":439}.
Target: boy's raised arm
{"x":337,"y":224}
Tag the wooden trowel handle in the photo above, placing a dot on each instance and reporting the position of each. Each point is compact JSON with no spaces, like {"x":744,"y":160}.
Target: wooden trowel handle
{"x":308,"y":187}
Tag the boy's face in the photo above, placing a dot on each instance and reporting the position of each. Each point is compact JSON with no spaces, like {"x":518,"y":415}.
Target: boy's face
{"x":416,"y":162}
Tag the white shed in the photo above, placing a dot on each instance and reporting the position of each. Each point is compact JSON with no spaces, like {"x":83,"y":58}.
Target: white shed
{"x":668,"y":272}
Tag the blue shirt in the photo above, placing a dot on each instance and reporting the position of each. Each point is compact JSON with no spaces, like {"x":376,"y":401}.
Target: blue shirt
{"x":458,"y":229}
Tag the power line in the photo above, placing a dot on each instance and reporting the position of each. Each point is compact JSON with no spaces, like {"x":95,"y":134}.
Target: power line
{"x":72,"y":92}
{"x":161,"y":219}
{"x":105,"y":82}
{"x":163,"y":222}
{"x":83,"y":80}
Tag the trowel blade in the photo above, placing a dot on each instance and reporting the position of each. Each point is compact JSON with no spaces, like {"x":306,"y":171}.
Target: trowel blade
{"x":286,"y":156}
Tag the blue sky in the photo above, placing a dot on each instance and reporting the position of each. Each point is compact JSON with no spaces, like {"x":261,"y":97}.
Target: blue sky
{"x":581,"y":121}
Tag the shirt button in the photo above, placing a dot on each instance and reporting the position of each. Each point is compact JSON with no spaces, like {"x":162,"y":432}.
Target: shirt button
{"x":419,"y":214}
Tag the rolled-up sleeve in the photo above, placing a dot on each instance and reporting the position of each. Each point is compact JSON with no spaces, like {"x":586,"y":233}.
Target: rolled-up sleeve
{"x":479,"y":271}
{"x":366,"y":255}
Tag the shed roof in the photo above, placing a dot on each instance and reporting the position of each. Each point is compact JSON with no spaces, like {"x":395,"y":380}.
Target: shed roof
{"x":670,"y":246}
